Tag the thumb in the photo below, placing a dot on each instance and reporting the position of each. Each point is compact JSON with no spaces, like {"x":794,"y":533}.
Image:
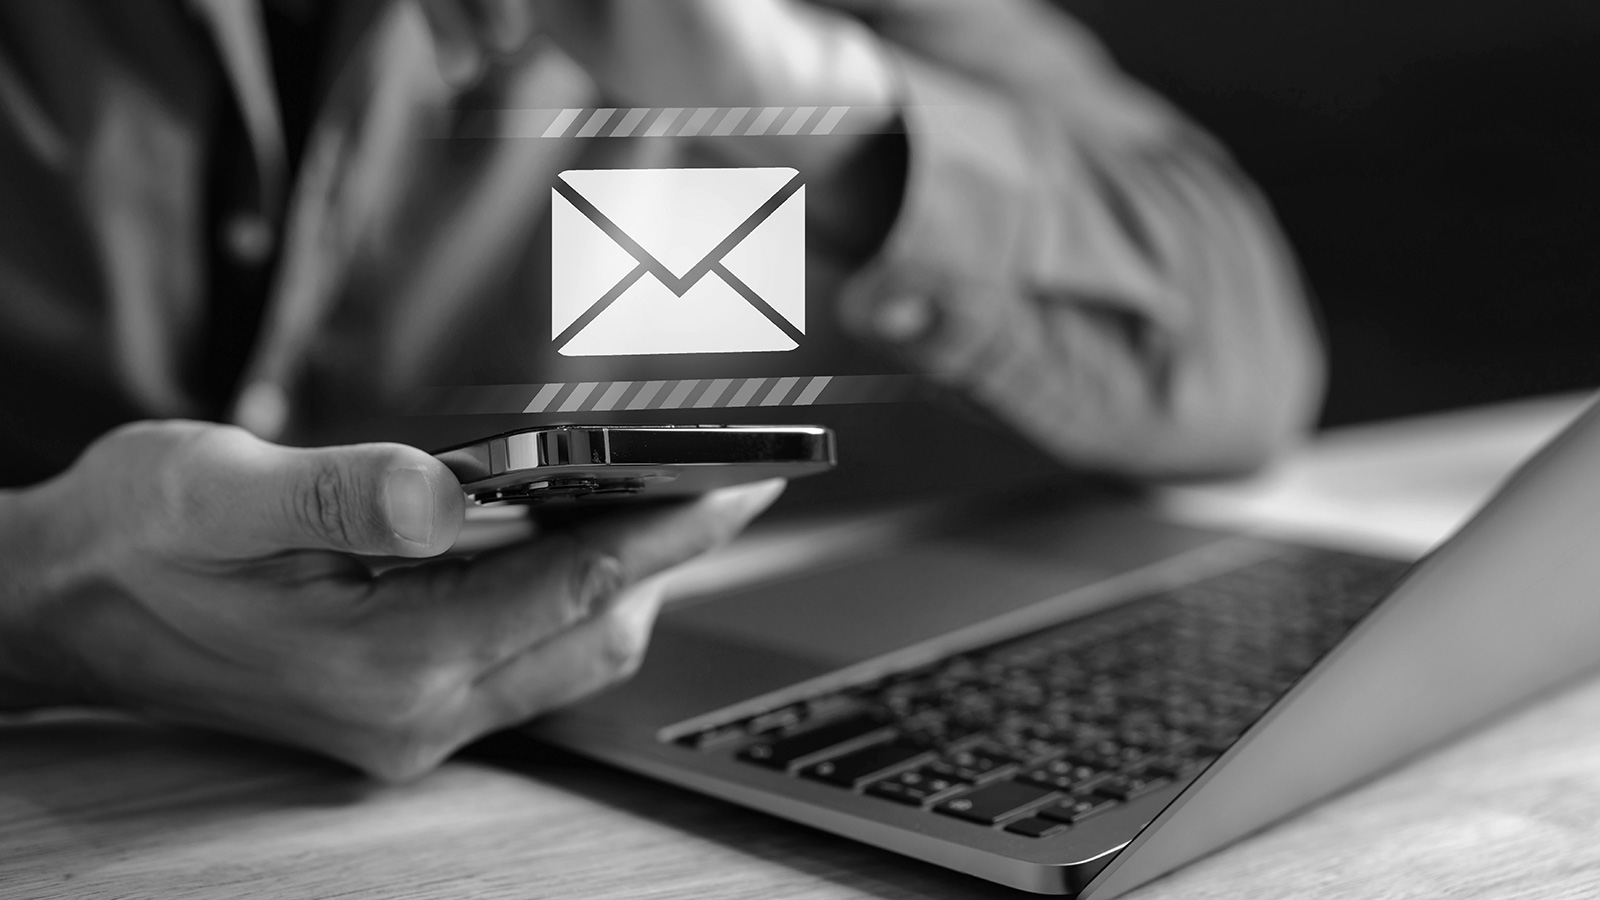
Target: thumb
{"x":374,"y":499}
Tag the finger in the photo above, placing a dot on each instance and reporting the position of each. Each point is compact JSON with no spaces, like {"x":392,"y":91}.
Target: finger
{"x":581,"y":662}
{"x":664,"y":536}
{"x":455,"y":41}
{"x":245,"y":497}
{"x":502,"y":25}
{"x":587,"y":514}
{"x":500,"y":603}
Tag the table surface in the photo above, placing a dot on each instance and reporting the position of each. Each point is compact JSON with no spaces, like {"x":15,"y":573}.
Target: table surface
{"x":106,"y":807}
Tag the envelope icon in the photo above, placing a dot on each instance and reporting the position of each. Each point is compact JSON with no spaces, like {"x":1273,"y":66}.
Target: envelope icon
{"x":654,"y":261}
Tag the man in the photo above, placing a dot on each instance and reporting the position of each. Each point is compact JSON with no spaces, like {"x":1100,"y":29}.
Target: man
{"x":202,"y":217}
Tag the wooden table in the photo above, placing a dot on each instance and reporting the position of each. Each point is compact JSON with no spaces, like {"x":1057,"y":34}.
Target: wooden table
{"x":105,"y":807}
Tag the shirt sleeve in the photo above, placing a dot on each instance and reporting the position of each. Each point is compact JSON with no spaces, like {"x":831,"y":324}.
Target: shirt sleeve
{"x":1079,"y":258}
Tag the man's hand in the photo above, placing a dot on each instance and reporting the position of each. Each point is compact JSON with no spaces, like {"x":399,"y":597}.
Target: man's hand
{"x":467,"y":32}
{"x":721,"y":52}
{"x":678,"y":52}
{"x":734,"y":53}
{"x":196,"y":574}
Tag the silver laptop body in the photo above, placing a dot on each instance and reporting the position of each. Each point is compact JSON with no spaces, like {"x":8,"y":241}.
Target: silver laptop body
{"x":1507,"y":608}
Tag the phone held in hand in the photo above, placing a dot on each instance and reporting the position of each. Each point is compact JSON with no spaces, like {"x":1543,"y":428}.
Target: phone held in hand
{"x":594,"y":463}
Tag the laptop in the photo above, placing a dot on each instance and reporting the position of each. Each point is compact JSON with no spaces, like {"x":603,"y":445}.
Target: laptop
{"x":1070,"y":694}
{"x":1064,"y":693}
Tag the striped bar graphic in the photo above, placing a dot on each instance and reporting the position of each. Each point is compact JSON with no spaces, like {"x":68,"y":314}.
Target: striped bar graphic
{"x":779,"y":391}
{"x":542,"y":399}
{"x":647,"y":393}
{"x":629,"y":122}
{"x":697,"y":121}
{"x":597,"y":121}
{"x":565,"y":398}
{"x":579,"y":394}
{"x":742,"y":396}
{"x":609,"y":399}
{"x":563,"y":120}
{"x":679,"y":393}
{"x":797,"y":120}
{"x":713,"y":393}
{"x":712,"y":121}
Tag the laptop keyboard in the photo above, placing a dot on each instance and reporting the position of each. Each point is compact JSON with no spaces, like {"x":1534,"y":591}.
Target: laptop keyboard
{"x":1038,"y":733}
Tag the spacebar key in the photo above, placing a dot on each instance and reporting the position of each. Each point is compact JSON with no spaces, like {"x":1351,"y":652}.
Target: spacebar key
{"x":786,"y":751}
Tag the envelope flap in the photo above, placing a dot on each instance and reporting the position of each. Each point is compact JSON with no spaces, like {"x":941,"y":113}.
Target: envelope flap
{"x":678,"y":215}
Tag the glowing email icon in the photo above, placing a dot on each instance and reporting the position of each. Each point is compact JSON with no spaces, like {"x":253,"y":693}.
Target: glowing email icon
{"x":650,"y":261}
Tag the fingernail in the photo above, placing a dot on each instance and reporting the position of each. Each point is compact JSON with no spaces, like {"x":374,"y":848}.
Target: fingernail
{"x":409,"y":498}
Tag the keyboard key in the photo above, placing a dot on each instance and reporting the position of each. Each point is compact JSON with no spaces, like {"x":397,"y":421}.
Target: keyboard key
{"x":1108,"y":754}
{"x":1066,"y":776}
{"x":712,"y":737}
{"x":774,"y":720}
{"x":899,"y":793}
{"x":1035,"y":827}
{"x":1156,"y":738}
{"x":991,"y":803}
{"x":1127,"y":787}
{"x":1075,"y":809}
{"x":1003,"y":753}
{"x":867,"y":764}
{"x":1178,"y":766}
{"x":914,"y":787}
{"x":787,"y":751}
{"x":973,"y":766}
{"x":829,"y":707}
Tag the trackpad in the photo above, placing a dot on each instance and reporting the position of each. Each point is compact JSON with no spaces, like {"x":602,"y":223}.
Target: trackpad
{"x":754,"y":640}
{"x":924,"y":590}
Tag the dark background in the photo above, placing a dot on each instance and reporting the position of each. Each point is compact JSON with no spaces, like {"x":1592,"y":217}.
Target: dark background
{"x":1436,"y":165}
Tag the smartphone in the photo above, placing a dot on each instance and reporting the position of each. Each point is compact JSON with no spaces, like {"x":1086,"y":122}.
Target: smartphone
{"x":611,"y":462}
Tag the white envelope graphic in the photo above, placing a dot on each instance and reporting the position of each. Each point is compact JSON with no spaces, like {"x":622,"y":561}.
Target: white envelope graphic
{"x":648,"y":261}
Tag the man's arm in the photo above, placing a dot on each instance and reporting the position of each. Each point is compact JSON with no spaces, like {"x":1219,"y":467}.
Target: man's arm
{"x":1076,"y":255}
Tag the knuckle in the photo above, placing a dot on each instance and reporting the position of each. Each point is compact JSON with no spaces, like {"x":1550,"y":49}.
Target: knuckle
{"x":595,"y":578}
{"x":184,"y":504}
{"x":382,"y":713}
{"x":622,"y":651}
{"x":406,"y":700}
{"x":134,"y":437}
{"x":389,"y":688}
{"x":401,"y":756}
{"x":629,"y":666}
{"x":187,"y":498}
{"x":397,"y":731}
{"x":321,"y":506}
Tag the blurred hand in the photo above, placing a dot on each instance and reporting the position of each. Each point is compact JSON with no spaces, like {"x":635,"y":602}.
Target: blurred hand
{"x":721,"y":52}
{"x":754,"y":53}
{"x":196,"y":574}
{"x":467,"y":32}
{"x":678,"y":52}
